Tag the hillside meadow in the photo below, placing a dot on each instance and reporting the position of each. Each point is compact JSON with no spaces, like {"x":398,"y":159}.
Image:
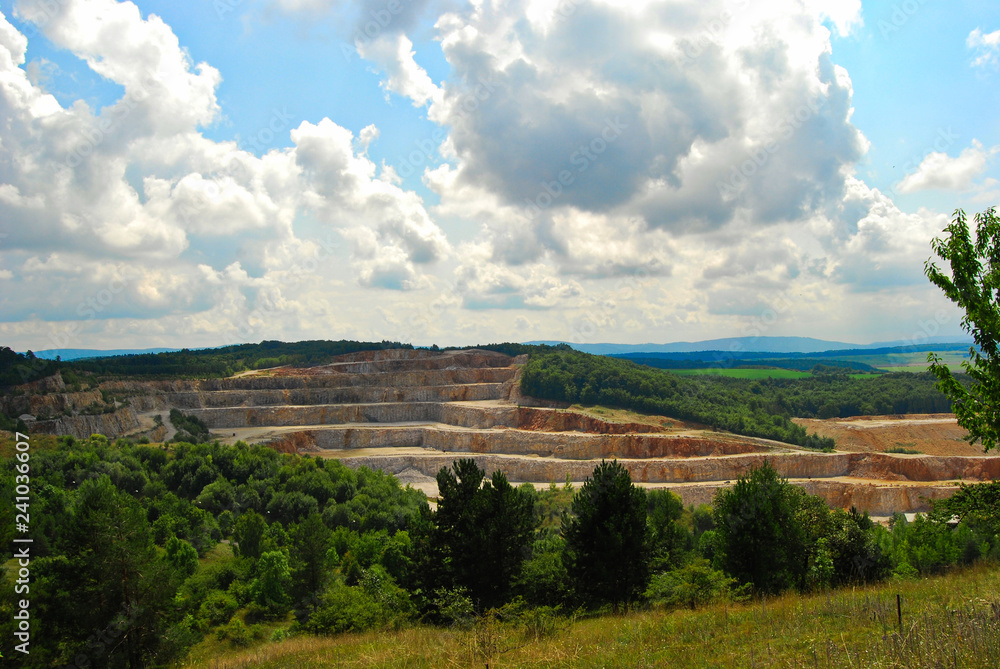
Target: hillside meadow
{"x":947,"y":621}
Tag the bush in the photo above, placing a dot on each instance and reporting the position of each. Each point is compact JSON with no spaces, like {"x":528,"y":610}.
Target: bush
{"x":346,"y":609}
{"x":454,"y":606}
{"x":693,"y":585}
{"x":236,"y":632}
{"x":218,"y":608}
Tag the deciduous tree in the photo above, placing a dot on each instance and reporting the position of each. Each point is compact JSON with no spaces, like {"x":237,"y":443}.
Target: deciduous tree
{"x":974,"y":285}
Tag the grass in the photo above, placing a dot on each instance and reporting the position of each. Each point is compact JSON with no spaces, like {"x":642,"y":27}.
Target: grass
{"x":220,"y":552}
{"x":36,"y":442}
{"x":947,"y":621}
{"x":613,"y":415}
{"x":918,"y":368}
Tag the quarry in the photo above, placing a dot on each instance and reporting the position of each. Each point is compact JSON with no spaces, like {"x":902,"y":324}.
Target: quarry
{"x":412,"y":412}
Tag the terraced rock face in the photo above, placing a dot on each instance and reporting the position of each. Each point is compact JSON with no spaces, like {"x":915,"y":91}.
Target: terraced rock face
{"x":413,"y":412}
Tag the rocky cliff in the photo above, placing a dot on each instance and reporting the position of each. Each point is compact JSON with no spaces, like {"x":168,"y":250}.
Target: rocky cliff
{"x":111,"y":425}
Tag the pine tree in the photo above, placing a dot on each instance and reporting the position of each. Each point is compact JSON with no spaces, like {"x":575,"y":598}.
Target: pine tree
{"x":607,"y":544}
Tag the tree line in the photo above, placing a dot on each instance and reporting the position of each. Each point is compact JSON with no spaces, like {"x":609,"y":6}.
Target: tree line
{"x":163,"y":547}
{"x":759,"y":408}
{"x":17,"y":368}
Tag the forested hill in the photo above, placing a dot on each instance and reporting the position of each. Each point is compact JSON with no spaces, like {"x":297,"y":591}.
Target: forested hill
{"x":189,"y":363}
{"x":759,"y":408}
{"x":850,"y":358}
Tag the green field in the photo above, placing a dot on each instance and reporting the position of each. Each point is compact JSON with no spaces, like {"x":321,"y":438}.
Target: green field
{"x":906,"y":362}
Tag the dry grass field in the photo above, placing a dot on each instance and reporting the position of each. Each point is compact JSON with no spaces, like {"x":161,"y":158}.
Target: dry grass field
{"x":947,"y":621}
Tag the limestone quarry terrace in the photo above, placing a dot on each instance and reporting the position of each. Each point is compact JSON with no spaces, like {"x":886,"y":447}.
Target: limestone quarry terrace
{"x":412,"y":412}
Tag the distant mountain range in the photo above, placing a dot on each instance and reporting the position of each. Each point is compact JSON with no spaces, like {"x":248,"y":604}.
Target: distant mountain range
{"x":751,"y":345}
{"x":730,"y":344}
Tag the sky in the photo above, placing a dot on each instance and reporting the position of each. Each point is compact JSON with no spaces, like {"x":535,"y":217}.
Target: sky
{"x":439,"y":171}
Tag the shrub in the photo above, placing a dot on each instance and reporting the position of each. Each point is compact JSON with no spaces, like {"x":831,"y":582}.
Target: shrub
{"x":218,"y":608}
{"x":693,"y":585}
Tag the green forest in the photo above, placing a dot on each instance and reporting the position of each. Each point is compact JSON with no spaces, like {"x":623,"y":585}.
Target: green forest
{"x":165,"y":547}
{"x":758,"y":408}
{"x":18,"y":368}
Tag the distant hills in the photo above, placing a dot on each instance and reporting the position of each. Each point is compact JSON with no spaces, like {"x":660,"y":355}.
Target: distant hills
{"x":741,"y":345}
{"x":730,"y":345}
{"x":82,"y":353}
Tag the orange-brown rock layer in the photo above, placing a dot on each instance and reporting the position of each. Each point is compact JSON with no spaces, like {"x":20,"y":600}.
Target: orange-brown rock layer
{"x":565,"y":421}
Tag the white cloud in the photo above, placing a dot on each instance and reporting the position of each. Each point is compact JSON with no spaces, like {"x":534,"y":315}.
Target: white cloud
{"x":633,"y":121}
{"x":204,"y":232}
{"x":940,"y":171}
{"x":986,"y":47}
{"x":641,"y":170}
{"x":394,"y":55}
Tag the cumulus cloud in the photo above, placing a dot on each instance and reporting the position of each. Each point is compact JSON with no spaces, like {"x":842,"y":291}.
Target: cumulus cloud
{"x":889,"y":246}
{"x":198,"y":226}
{"x":484,"y":284}
{"x":942,"y":172}
{"x":394,"y":55}
{"x":986,"y":47}
{"x":682,"y":115}
{"x":608,"y":169}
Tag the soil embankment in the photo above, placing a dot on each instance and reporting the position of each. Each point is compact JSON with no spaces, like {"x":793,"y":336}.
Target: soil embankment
{"x":930,"y":434}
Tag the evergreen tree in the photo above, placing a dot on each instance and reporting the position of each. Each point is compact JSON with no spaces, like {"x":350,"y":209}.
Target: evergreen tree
{"x":111,"y":572}
{"x":311,"y":541}
{"x":759,"y":538}
{"x":607,"y":545}
{"x":484,"y":530}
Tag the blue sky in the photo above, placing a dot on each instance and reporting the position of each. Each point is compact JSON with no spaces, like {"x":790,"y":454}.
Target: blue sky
{"x":199,"y":174}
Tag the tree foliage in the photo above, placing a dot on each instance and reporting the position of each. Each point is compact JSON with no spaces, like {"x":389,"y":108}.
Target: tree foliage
{"x":753,"y":408}
{"x":759,"y":538}
{"x":977,"y":503}
{"x":485,"y":528}
{"x":607,"y":542}
{"x":974,"y":285}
